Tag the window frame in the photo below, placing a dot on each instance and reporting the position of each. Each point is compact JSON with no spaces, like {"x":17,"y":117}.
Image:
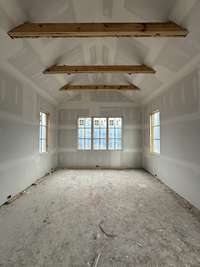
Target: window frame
{"x":47,"y":132}
{"x":77,"y":134}
{"x":122,"y":134}
{"x":107,"y":135}
{"x":152,"y":132}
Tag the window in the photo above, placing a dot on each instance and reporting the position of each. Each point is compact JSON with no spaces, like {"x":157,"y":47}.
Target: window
{"x":43,"y":141}
{"x":84,"y":133}
{"x":114,"y":133}
{"x":99,"y":133}
{"x":155,"y":132}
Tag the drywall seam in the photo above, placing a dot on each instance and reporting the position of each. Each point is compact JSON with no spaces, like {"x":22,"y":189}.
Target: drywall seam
{"x":183,"y":164}
{"x":19,"y":119}
{"x":74,"y":105}
{"x":9,"y":68}
{"x":183,"y":72}
{"x":14,"y":163}
{"x":184,"y":118}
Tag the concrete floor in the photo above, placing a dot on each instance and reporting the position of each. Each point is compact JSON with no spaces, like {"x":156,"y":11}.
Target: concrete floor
{"x":56,"y":223}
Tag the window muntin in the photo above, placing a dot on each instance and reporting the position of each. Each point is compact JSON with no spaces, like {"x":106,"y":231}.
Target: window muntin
{"x":114,"y":133}
{"x":84,"y":133}
{"x":43,"y":132}
{"x":99,"y":133}
{"x":155,"y":132}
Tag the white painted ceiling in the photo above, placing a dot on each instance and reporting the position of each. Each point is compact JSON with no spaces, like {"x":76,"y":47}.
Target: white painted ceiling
{"x":28,"y":58}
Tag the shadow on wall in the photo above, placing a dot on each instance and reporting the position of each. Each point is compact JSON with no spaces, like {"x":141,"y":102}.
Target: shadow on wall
{"x":11,"y":94}
{"x":180,"y":100}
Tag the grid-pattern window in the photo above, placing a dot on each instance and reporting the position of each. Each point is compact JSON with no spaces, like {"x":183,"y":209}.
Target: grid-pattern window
{"x":155,"y":132}
{"x":114,"y":133}
{"x":99,"y":133}
{"x":84,"y":133}
{"x":43,"y":135}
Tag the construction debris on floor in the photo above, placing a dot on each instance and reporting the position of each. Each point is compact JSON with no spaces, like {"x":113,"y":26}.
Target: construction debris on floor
{"x":99,"y":218}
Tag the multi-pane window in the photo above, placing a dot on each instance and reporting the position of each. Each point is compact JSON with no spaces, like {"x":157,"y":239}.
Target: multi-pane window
{"x":114,"y":133}
{"x":84,"y":133}
{"x":99,"y":133}
{"x":43,"y":135}
{"x":155,"y":132}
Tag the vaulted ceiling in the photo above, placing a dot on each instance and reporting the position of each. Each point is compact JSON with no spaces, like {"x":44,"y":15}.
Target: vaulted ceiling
{"x":28,"y":58}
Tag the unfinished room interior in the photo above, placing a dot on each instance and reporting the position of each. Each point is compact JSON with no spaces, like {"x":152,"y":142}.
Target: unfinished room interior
{"x":99,"y":133}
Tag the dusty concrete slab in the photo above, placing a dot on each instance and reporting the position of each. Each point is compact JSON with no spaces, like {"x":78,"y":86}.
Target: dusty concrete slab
{"x":56,"y":223}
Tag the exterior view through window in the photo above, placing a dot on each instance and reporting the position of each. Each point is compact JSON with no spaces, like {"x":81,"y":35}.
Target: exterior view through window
{"x":43,"y":141}
{"x":100,"y":133}
{"x":155,"y":132}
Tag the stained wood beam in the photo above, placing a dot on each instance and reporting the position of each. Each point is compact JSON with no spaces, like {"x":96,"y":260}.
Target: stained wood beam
{"x":62,"y":69}
{"x":121,"y":87}
{"x":155,"y":29}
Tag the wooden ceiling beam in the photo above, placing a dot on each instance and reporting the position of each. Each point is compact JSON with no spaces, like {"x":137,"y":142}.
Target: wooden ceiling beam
{"x":98,"y":87}
{"x":63,"y":69}
{"x":145,"y":29}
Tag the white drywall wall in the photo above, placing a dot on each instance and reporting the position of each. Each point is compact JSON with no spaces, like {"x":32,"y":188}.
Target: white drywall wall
{"x":99,"y":104}
{"x":178,"y":165}
{"x":20,"y":161}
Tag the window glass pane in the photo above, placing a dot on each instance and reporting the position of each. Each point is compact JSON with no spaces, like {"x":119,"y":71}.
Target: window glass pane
{"x":40,"y":146}
{"x":96,"y":123}
{"x":40,"y":133}
{"x":81,"y":144}
{"x":103,"y":122}
{"x":43,"y":132}
{"x":96,"y":144}
{"x":111,"y":144}
{"x":115,"y":133}
{"x":87,"y":133}
{"x":156,"y":146}
{"x":81,"y":133}
{"x":103,"y":133}
{"x":118,"y":133}
{"x":102,"y":143}
{"x":81,"y":122}
{"x":156,"y":132}
{"x":156,"y":118}
{"x":111,"y":123}
{"x":117,"y":122}
{"x":88,"y":122}
{"x":43,"y":119}
{"x":43,"y":145}
{"x":96,"y":133}
{"x":87,"y":144}
{"x":118,"y":144}
{"x":111,"y":133}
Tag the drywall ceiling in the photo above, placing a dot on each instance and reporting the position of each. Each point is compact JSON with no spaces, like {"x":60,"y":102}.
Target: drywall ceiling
{"x":28,"y":58}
